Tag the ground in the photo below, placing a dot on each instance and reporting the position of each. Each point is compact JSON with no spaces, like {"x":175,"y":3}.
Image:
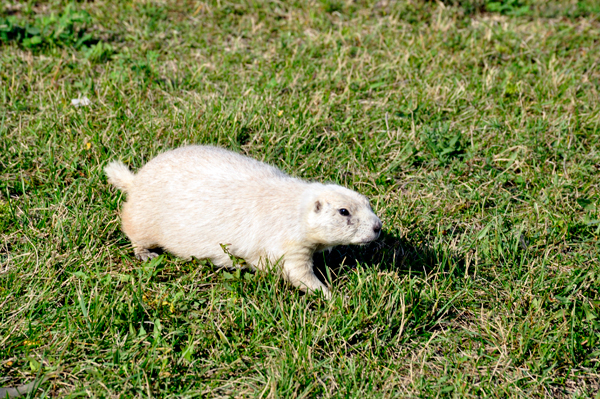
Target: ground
{"x":473,"y":127}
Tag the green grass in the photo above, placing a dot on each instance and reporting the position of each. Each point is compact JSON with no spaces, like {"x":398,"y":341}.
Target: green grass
{"x":473,"y":126}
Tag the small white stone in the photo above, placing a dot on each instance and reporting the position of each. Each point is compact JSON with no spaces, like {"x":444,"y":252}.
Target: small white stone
{"x":81,"y":102}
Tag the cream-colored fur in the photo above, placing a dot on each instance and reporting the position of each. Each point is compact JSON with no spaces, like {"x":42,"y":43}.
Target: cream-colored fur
{"x":191,"y":200}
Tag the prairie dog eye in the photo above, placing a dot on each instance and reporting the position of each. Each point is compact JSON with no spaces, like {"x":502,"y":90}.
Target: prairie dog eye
{"x":344,"y":212}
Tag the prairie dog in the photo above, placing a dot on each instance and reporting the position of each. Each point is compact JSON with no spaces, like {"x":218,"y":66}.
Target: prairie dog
{"x":191,"y":200}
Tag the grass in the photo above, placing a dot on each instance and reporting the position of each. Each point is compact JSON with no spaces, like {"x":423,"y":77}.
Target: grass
{"x":473,"y":126}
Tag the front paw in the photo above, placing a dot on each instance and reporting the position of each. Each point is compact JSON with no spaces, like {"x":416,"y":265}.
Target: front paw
{"x":323,"y":291}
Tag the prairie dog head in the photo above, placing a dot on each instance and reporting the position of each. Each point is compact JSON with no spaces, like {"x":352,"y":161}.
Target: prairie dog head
{"x":339,"y":216}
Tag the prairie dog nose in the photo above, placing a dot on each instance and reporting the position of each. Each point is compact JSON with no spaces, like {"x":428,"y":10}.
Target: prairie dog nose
{"x":377,"y":227}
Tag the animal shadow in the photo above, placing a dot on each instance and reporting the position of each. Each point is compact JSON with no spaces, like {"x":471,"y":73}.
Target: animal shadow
{"x":388,"y":252}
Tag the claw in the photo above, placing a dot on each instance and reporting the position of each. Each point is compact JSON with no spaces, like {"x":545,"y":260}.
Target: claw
{"x":144,"y":254}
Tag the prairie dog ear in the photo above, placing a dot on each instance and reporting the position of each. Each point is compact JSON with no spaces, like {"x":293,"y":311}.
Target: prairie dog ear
{"x":318,"y":206}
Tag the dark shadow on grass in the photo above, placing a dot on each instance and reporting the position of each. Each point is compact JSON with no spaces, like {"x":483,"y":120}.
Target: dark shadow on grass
{"x":391,"y":253}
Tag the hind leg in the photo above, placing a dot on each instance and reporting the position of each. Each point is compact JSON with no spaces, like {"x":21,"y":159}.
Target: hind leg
{"x":140,"y":237}
{"x":143,"y":254}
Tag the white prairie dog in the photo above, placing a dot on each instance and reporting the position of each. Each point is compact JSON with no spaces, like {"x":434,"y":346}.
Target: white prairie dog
{"x":191,"y":200}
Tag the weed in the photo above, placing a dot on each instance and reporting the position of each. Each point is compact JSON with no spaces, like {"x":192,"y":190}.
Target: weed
{"x":66,"y":29}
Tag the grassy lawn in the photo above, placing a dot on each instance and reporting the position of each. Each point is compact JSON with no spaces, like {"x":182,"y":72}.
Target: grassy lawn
{"x":473,"y":126}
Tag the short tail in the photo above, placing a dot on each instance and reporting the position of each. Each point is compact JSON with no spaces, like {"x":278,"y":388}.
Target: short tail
{"x":119,"y":175}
